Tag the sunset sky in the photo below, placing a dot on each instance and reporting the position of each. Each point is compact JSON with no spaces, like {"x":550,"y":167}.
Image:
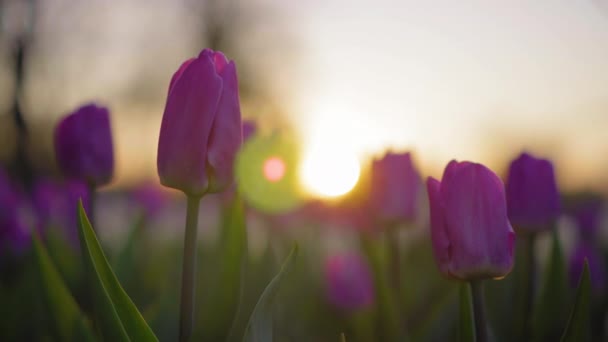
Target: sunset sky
{"x":478,"y":80}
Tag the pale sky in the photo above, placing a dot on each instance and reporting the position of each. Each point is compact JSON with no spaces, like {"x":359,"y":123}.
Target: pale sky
{"x":476,"y":80}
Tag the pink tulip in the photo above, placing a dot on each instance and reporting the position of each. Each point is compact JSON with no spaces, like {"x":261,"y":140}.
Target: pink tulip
{"x":471,"y":234}
{"x":201,"y":131}
{"x":395,"y":188}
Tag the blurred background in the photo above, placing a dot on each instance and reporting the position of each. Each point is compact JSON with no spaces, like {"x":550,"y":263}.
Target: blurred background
{"x":478,"y":81}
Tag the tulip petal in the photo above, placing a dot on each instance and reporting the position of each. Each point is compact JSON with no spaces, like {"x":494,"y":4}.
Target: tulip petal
{"x":226,"y":136}
{"x":186,"y":127}
{"x":179,"y":72}
{"x":439,"y":236}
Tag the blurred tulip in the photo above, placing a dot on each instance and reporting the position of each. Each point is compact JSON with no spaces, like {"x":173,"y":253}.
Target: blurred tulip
{"x":151,"y":198}
{"x":471,"y":234}
{"x":56,"y":205}
{"x":597,"y":266}
{"x":349,"y":282}
{"x":587,"y":215}
{"x":15,"y":216}
{"x":201,"y":127}
{"x":532,"y":196}
{"x":395,"y":188}
{"x":249,"y":129}
{"x":83,"y":145}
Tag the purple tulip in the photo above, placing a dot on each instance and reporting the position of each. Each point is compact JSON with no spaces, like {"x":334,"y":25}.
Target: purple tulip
{"x":587,"y":216}
{"x":532,"y":197}
{"x":597,"y":266}
{"x":201,"y":129}
{"x":56,"y":205}
{"x":249,"y":129}
{"x":349,"y":282}
{"x":471,"y":234}
{"x":83,"y":145}
{"x":15,"y":217}
{"x":150,"y":197}
{"x":395,"y":188}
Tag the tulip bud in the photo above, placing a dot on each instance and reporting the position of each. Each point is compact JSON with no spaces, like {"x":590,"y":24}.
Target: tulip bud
{"x":471,"y":234}
{"x":201,"y":130}
{"x":15,"y":216}
{"x":395,"y":188}
{"x":588,"y":217}
{"x":83,"y":145}
{"x":349,"y":282}
{"x":532,"y":197}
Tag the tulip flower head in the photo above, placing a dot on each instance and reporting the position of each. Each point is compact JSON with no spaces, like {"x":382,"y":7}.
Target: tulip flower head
{"x":83,"y":145}
{"x":533,"y":200}
{"x":471,"y":234}
{"x":349,"y":282}
{"x":201,"y":130}
{"x":15,"y":217}
{"x":395,"y":188}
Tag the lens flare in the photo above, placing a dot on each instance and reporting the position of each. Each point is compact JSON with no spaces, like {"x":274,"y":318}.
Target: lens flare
{"x":330,"y":172}
{"x":274,"y":169}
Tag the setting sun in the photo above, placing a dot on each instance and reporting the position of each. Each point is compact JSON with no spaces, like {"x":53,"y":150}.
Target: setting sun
{"x":330,"y":172}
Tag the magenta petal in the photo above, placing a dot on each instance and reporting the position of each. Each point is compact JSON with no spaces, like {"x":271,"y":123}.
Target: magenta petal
{"x":439,"y":236}
{"x":226,"y":135}
{"x":179,"y":72}
{"x":186,"y":126}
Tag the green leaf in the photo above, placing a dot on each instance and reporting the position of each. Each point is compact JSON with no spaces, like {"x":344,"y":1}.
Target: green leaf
{"x":259,"y":328}
{"x":552,"y":297}
{"x":124,"y":261}
{"x":67,"y":320}
{"x":466,"y":326}
{"x":579,"y":328}
{"x":118,"y":317}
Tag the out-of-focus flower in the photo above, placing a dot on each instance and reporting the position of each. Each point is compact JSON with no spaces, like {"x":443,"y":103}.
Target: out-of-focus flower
{"x":150,"y":197}
{"x":532,"y":196}
{"x":201,"y":129}
{"x":83,"y":145}
{"x":15,"y":217}
{"x":587,"y":215}
{"x":249,"y":129}
{"x":597,"y":265}
{"x":395,"y":188}
{"x":471,"y":234}
{"x":56,"y":205}
{"x":349,"y":282}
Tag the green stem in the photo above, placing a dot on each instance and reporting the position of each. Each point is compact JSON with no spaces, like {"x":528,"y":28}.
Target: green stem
{"x":527,"y":283}
{"x":481,"y":326}
{"x":395,"y":260}
{"x":91,"y":208}
{"x":186,"y":318}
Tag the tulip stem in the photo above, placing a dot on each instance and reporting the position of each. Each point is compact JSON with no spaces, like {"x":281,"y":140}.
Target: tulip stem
{"x":530,"y":281}
{"x":395,"y":260}
{"x":186,"y":318}
{"x":91,"y":209}
{"x":481,"y":326}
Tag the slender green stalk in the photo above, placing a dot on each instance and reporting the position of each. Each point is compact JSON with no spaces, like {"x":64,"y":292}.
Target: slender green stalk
{"x":91,"y":209}
{"x":479,"y":313}
{"x":186,"y":317}
{"x":526,"y":284}
{"x":395,"y":261}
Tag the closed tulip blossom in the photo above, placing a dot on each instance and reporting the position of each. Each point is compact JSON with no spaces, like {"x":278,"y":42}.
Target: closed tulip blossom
{"x":83,"y":145}
{"x":533,"y":200}
{"x":200,"y":135}
{"x":471,"y":234}
{"x":349,"y":282}
{"x":396,"y":187}
{"x":201,"y":127}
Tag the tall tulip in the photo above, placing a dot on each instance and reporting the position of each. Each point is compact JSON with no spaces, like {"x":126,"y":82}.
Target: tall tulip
{"x":349,"y":282}
{"x":200,"y":135}
{"x":471,"y":234}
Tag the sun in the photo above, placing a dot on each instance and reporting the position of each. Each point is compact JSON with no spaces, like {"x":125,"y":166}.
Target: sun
{"x":327,"y":171}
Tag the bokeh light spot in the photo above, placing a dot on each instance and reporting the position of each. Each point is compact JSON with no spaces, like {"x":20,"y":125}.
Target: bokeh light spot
{"x":274,"y":169}
{"x":330,"y":172}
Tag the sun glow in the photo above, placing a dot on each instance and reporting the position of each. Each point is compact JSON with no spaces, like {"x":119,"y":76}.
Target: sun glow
{"x":328,"y":171}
